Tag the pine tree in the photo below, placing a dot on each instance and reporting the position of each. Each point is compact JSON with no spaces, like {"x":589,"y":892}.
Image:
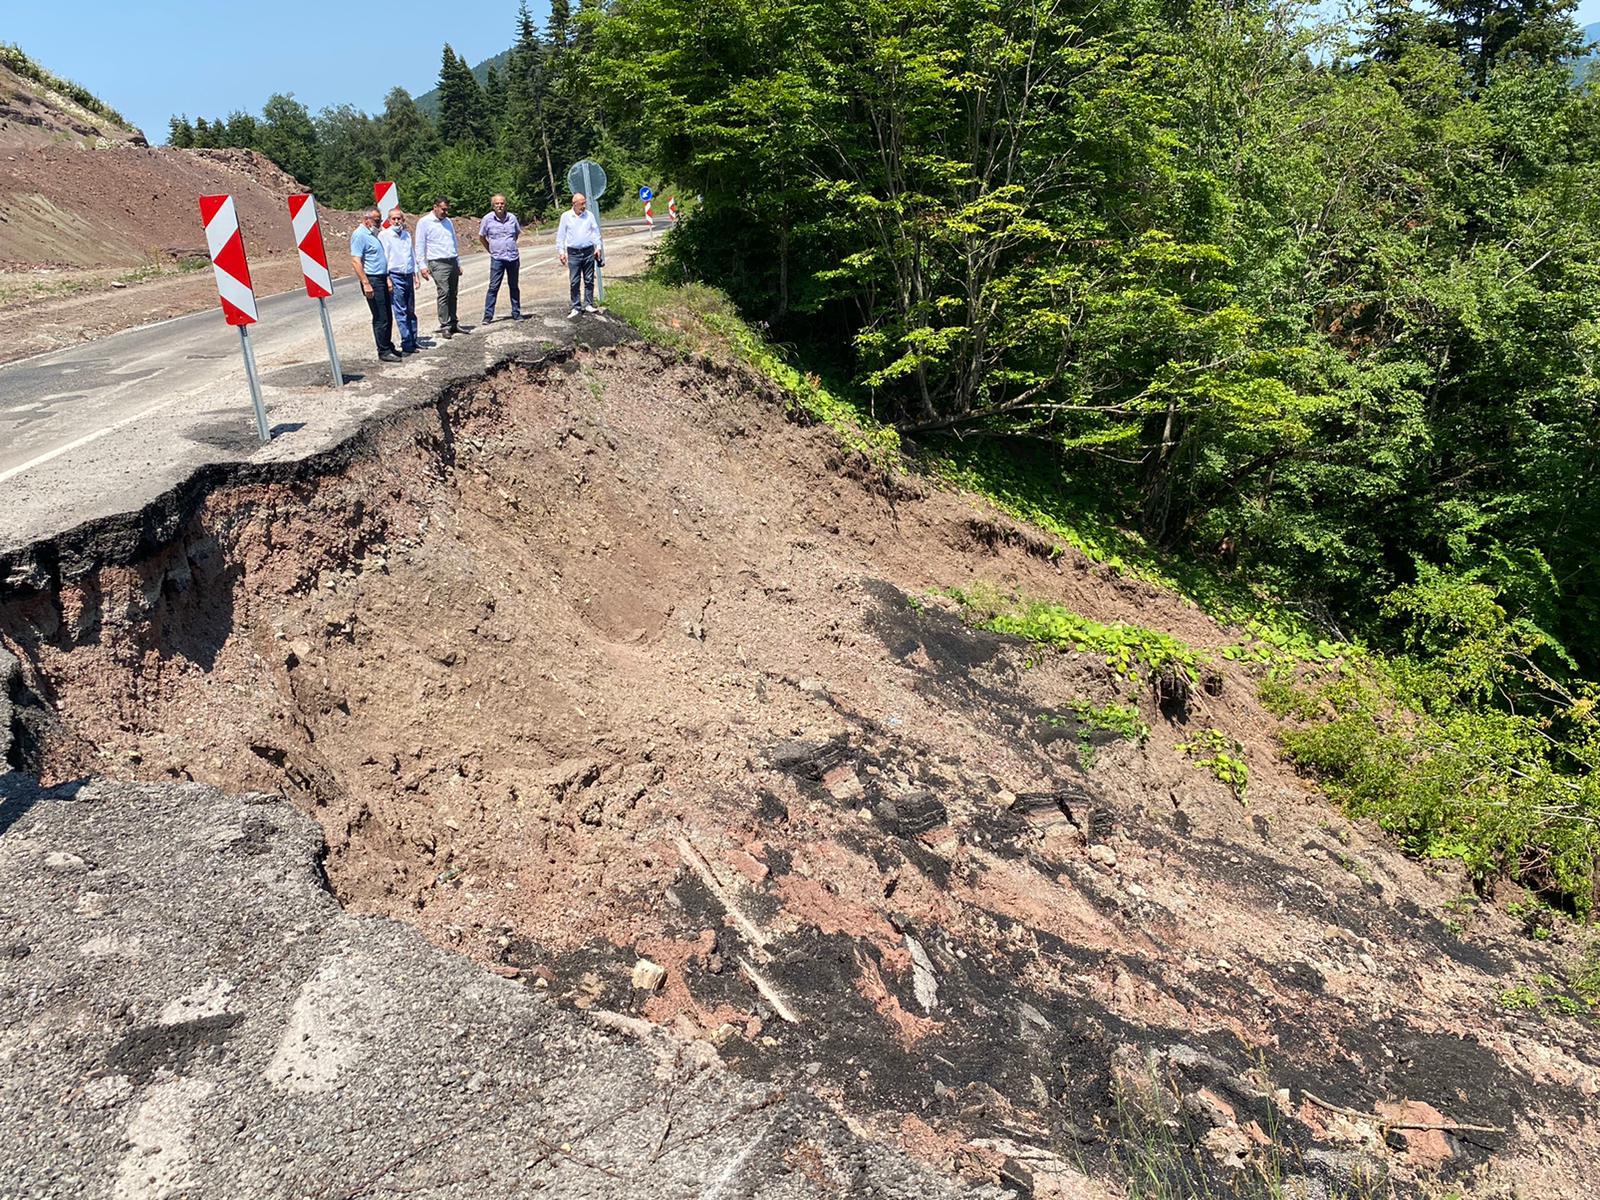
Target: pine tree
{"x":494,"y":100}
{"x":463,"y":114}
{"x":1396,"y":24}
{"x":180,"y":133}
{"x":526,"y":140}
{"x":202,"y":133}
{"x":560,"y":26}
{"x":242,"y":130}
{"x":1485,"y":32}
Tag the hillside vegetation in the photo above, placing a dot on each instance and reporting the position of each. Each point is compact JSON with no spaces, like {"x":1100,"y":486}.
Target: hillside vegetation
{"x":1299,"y":315}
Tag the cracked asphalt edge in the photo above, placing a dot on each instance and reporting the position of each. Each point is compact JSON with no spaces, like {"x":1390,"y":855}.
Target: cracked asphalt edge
{"x":186,"y":1009}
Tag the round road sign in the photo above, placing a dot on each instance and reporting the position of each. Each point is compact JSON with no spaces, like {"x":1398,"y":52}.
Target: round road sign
{"x":588,"y":177}
{"x":646,"y":194}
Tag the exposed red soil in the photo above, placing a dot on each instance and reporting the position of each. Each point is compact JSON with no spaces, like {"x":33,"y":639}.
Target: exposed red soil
{"x":93,"y":241}
{"x":610,"y":660}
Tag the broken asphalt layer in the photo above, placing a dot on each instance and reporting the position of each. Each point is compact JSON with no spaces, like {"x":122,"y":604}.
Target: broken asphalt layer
{"x":186,"y":1010}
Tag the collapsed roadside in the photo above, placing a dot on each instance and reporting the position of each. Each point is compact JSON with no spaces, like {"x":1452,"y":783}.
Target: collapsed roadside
{"x":607,"y":661}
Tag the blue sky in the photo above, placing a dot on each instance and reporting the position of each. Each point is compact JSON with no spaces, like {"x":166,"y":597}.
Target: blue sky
{"x":149,"y":59}
{"x":152,"y":58}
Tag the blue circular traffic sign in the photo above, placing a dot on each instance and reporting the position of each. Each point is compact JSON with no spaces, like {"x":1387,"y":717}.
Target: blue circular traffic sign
{"x":646,"y":194}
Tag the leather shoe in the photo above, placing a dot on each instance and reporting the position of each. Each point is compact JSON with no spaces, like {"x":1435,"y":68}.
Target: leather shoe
{"x":390,"y":356}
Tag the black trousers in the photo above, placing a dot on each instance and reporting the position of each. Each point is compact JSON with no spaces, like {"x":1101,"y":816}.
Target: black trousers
{"x":382,"y":313}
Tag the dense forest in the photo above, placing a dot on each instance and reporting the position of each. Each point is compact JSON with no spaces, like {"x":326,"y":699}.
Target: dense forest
{"x":1307,"y":304}
{"x":517,"y":133}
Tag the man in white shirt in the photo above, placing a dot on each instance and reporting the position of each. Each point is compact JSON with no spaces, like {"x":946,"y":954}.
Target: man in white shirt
{"x":580,"y":248}
{"x":400,"y":251}
{"x":440,"y":260}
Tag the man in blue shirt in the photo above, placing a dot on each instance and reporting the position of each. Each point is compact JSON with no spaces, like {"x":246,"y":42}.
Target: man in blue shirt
{"x":372,"y":268}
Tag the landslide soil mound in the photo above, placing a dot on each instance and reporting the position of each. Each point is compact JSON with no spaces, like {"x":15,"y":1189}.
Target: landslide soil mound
{"x":130,"y":206}
{"x":607,"y":659}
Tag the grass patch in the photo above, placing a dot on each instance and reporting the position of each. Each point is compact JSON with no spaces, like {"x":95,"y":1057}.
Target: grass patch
{"x":695,"y":319}
{"x":1129,"y":650}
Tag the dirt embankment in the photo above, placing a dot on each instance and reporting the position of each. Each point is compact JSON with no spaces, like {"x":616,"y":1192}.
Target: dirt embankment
{"x":95,"y":241}
{"x":608,"y":660}
{"x":36,"y":114}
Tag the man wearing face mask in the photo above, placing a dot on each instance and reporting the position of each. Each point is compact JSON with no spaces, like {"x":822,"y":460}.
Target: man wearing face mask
{"x":439,"y":259}
{"x":499,"y":231}
{"x":400,"y":250}
{"x":580,"y":248}
{"x":371,"y":265}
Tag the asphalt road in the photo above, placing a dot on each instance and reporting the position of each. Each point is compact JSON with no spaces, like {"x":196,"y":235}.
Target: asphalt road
{"x":103,"y":427}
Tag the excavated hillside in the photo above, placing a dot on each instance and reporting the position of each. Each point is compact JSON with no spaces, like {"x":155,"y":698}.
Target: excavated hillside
{"x":34,"y":112}
{"x":606,"y":659}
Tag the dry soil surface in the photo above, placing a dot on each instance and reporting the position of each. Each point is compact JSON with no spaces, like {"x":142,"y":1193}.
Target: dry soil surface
{"x":608,"y":660}
{"x":95,"y":241}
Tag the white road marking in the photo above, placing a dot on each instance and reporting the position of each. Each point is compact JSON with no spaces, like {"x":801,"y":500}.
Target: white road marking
{"x":120,"y":423}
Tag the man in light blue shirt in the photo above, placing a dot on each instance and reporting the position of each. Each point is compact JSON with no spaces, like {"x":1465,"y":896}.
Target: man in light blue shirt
{"x":439,"y":259}
{"x":580,"y":248}
{"x":372,"y":268}
{"x":400,"y":251}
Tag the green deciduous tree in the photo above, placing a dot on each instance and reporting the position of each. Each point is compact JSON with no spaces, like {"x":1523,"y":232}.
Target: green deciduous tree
{"x":288,"y":136}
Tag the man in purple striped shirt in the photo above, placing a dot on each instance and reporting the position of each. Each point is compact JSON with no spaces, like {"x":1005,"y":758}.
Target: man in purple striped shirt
{"x":498,"y":231}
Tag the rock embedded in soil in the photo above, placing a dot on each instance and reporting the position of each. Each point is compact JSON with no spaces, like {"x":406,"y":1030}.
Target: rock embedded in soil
{"x":648,"y":976}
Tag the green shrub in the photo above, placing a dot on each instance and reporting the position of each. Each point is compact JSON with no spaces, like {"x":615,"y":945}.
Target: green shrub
{"x":1127,"y":649}
{"x":1223,"y":756}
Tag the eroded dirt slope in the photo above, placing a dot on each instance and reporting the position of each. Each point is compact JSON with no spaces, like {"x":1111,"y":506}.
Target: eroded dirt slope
{"x":609,"y":660}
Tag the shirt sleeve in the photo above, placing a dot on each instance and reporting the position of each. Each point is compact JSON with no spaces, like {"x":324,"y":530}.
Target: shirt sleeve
{"x":599,"y":243}
{"x":561,"y":234}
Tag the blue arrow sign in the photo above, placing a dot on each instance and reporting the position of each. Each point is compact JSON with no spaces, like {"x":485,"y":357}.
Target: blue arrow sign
{"x":646,"y":194}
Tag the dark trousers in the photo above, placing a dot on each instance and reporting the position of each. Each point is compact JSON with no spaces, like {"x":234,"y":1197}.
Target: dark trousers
{"x":382,"y":314}
{"x":403,"y":293}
{"x":498,"y":268}
{"x":580,"y":266}
{"x":446,"y":274}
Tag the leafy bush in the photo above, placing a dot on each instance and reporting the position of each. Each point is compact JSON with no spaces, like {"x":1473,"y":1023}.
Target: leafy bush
{"x":701,"y":320}
{"x":1464,"y":748}
{"x":1223,"y":756}
{"x":1128,"y":649}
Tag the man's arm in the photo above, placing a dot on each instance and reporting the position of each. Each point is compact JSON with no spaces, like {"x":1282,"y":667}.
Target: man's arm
{"x":561,"y":239}
{"x":421,"y":239}
{"x":361,"y":274}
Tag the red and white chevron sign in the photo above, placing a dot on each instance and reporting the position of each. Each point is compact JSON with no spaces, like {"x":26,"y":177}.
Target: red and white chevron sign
{"x":387,"y":197}
{"x":308,"y":237}
{"x":226,"y":247}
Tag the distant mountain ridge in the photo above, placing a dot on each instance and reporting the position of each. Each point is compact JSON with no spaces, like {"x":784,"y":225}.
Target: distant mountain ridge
{"x":1580,"y":68}
{"x":428,"y":102}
